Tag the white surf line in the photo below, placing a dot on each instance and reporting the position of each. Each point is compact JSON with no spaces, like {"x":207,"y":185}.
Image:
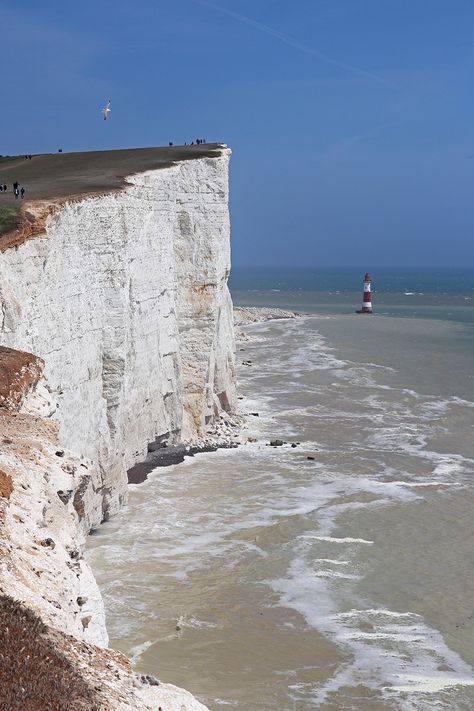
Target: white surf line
{"x":331,"y":561}
{"x":396,"y":652}
{"x":331,"y":539}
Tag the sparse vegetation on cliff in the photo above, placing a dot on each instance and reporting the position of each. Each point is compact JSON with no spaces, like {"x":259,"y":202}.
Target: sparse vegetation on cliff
{"x":34,"y":674}
{"x":8,"y":217}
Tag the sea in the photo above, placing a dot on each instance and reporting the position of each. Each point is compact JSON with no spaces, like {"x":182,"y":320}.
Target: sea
{"x":336,"y":571}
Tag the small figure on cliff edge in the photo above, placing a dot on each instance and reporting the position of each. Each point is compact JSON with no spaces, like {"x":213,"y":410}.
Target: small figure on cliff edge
{"x":22,"y":193}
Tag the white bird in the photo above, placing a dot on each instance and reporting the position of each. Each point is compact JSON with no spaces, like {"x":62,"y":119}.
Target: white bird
{"x":106,"y":110}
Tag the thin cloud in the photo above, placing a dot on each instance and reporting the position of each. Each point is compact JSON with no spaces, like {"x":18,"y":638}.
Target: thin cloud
{"x":344,"y":144}
{"x":292,"y":42}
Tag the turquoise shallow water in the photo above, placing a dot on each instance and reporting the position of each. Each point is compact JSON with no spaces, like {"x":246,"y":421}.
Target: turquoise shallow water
{"x":432,"y":294}
{"x":385,"y":279}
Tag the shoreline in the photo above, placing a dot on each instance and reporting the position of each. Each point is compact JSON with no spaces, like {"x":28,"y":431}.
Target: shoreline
{"x":225,"y":434}
{"x":246,"y":315}
{"x":205,"y":473}
{"x":167,"y":456}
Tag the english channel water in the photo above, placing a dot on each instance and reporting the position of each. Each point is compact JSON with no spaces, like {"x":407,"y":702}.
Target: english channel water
{"x":334,"y":575}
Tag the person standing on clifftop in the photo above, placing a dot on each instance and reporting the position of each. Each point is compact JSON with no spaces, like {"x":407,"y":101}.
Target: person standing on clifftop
{"x":22,"y":192}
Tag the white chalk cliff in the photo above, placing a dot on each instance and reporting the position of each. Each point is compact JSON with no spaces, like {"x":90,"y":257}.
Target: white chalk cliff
{"x":124,"y":297}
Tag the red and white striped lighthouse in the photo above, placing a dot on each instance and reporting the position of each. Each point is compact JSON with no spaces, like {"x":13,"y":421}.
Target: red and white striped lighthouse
{"x":367,"y":298}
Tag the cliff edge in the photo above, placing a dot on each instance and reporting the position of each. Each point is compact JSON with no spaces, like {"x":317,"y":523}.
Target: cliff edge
{"x":124,"y":296}
{"x":123,"y":300}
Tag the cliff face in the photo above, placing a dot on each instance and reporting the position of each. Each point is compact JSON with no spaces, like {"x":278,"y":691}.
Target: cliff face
{"x":124,"y":302}
{"x":51,"y":612}
{"x":125,"y":298}
{"x":50,"y":499}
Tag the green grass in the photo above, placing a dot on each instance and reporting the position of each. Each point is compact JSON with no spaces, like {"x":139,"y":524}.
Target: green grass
{"x":8,"y":217}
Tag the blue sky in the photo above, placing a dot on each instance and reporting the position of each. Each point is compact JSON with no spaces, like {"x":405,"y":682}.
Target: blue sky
{"x":351,"y":121}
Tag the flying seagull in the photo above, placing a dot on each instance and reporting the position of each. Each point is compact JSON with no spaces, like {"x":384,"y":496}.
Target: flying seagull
{"x":106,"y":110}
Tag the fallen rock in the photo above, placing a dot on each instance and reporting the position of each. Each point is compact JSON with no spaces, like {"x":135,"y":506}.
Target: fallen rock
{"x":48,"y":543}
{"x":65,"y":495}
{"x":149,"y":679}
{"x":277,"y":443}
{"x":6,"y":485}
{"x":86,"y":621}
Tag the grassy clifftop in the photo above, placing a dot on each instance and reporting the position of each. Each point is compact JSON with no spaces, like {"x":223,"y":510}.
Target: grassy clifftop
{"x":62,"y":175}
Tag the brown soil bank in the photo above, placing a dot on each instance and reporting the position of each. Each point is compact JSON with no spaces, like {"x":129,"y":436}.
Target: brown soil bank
{"x":52,"y":178}
{"x":36,"y":672}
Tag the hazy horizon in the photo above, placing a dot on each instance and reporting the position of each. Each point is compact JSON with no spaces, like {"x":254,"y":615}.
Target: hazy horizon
{"x":364,"y":267}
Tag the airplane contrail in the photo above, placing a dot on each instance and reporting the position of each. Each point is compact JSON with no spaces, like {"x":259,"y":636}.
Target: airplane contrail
{"x":292,"y":42}
{"x":343,"y":144}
